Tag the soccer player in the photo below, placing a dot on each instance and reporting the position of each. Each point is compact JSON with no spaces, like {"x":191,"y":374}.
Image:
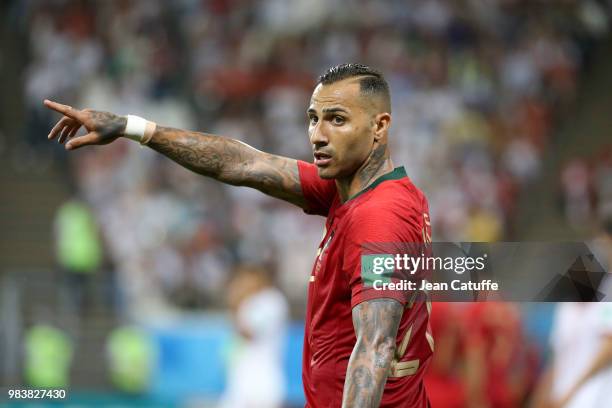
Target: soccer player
{"x":580,"y":372}
{"x":254,"y":372}
{"x":363,"y":347}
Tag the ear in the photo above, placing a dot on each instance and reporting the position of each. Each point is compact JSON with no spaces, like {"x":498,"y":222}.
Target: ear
{"x":382,"y":121}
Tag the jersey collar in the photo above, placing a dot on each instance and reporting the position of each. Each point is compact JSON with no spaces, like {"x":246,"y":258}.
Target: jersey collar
{"x":396,"y":174}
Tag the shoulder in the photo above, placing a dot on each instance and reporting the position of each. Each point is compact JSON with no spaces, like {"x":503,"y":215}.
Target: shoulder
{"x":393,"y":211}
{"x":308,"y":173}
{"x":318,"y":193}
{"x":397,"y":199}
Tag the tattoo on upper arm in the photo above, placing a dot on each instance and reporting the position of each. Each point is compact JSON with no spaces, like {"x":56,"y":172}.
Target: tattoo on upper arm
{"x":376,"y":323}
{"x":231,"y":162}
{"x":276,"y":176}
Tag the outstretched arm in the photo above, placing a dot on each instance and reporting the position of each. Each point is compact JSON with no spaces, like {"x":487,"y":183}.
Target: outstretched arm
{"x":376,"y":323}
{"x":227,"y":160}
{"x":231,"y":162}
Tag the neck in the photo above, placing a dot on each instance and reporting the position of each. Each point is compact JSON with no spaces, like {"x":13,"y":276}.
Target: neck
{"x":377,"y":164}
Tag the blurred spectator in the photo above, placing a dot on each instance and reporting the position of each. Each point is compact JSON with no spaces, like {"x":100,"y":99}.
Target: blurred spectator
{"x":576,"y":184}
{"x":580,"y":372}
{"x":586,"y":189}
{"x":499,"y":360}
{"x":48,"y":356}
{"x":260,"y":312}
{"x":601,"y":246}
{"x":79,"y":250}
{"x":131,"y":359}
{"x":580,"y":368}
{"x":481,"y":359}
{"x":602,"y":182}
{"x":445,"y":379}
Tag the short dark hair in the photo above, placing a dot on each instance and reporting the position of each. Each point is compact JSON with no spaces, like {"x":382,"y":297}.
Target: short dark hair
{"x":372,"y":82}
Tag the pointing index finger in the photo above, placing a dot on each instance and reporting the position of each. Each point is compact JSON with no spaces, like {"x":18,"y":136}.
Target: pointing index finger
{"x":63,"y":109}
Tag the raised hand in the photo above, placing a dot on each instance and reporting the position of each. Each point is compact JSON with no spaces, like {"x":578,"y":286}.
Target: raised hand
{"x":102,"y":127}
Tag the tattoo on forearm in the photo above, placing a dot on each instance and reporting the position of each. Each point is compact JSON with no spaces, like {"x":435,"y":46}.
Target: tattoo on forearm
{"x":376,"y":323}
{"x":231,"y":162}
{"x":201,"y":153}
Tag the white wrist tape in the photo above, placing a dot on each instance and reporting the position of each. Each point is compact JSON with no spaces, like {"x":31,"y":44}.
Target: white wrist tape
{"x":139,"y":129}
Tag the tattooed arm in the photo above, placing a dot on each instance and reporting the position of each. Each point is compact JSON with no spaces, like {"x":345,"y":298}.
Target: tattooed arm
{"x":376,"y":323}
{"x":231,"y":162}
{"x":224,"y":159}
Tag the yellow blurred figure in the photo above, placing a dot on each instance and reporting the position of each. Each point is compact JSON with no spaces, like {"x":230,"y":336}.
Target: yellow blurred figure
{"x":48,"y":355}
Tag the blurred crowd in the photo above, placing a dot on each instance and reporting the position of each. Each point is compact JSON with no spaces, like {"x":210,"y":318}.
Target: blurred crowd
{"x":586,"y":190}
{"x":476,"y":88}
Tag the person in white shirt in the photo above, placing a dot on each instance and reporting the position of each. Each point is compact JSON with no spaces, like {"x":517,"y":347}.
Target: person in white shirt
{"x":260,"y":311}
{"x":580,"y":374}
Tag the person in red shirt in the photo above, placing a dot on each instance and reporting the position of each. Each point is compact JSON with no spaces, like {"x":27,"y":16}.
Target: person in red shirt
{"x":499,"y":360}
{"x":445,"y":379}
{"x":390,"y":210}
{"x":363,"y":347}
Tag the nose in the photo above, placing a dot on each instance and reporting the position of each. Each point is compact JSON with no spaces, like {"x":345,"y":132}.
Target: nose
{"x":318,"y":137}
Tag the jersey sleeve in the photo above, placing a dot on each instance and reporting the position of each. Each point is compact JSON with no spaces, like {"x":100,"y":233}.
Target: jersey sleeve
{"x":319,"y":193}
{"x":375,"y":232}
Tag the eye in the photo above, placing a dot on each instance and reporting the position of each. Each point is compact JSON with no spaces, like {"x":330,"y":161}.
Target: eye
{"x":338,"y":120}
{"x":313,"y":119}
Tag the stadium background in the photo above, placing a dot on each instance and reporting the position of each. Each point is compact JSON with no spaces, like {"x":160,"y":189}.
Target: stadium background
{"x":501,"y":115}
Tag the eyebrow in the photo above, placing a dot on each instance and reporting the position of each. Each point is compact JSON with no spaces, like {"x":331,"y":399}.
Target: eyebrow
{"x":329,"y":110}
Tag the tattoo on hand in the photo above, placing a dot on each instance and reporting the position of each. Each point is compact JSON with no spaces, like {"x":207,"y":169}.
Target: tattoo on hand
{"x":107,"y":124}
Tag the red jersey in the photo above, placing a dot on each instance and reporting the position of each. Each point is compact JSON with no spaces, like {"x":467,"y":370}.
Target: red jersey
{"x":391,"y":209}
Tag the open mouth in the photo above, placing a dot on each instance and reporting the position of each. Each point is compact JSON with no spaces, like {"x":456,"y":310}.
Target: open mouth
{"x":321,"y":159}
